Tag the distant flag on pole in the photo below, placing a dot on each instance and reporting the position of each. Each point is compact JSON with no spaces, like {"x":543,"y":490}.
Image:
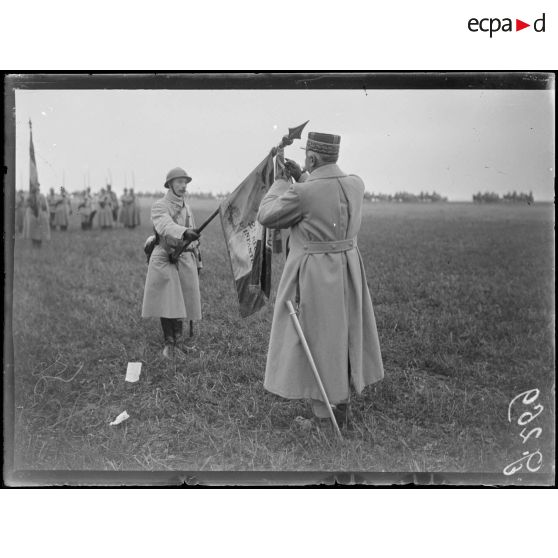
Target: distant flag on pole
{"x":248,"y":242}
{"x":33,"y":175}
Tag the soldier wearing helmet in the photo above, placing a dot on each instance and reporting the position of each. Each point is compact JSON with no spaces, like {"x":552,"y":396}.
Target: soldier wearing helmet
{"x":172,"y":290}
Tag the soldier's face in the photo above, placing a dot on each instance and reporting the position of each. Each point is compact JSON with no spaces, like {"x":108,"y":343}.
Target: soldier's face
{"x":179,"y":185}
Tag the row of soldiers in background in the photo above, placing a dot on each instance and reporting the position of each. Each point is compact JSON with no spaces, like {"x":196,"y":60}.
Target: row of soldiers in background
{"x":405,"y":197}
{"x":105,"y":206}
{"x":108,"y":210}
{"x":510,"y":197}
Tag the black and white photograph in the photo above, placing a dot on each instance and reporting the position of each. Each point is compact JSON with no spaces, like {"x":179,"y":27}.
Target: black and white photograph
{"x":279,"y":278}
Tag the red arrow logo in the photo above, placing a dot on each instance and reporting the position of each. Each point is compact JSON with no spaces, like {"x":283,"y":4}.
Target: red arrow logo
{"x":519,"y":25}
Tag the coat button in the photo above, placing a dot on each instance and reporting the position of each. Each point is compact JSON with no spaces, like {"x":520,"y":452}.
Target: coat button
{"x":306,"y":247}
{"x":332,"y":246}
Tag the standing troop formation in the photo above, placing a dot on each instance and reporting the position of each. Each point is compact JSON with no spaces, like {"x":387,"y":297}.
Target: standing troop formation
{"x":36,"y":214}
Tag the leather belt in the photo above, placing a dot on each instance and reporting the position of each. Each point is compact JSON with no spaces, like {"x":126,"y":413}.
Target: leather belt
{"x":330,"y":247}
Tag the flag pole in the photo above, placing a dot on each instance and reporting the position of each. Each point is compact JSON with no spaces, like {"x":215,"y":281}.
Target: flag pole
{"x":306,"y":348}
{"x":207,"y":221}
{"x":294,"y":133}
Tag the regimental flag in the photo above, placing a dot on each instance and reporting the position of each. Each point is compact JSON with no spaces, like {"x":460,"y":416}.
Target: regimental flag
{"x":248,"y":242}
{"x":33,"y":175}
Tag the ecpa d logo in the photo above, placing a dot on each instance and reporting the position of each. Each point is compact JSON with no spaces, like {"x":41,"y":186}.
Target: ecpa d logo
{"x":492,"y":25}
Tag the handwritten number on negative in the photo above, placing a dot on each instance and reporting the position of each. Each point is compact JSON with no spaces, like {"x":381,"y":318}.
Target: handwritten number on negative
{"x":518,"y":465}
{"x":527,"y":400}
{"x":532,"y":461}
{"x":537,"y":430}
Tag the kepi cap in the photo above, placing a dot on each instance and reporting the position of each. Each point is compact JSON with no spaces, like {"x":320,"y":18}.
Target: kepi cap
{"x":328,"y":144}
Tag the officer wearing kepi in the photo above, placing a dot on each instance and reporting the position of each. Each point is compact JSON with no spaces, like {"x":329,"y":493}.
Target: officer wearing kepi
{"x":325,"y":278}
{"x":172,"y":291}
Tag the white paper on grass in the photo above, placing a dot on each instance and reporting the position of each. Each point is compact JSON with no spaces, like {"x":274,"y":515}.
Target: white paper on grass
{"x":120,"y":418}
{"x":133,"y":371}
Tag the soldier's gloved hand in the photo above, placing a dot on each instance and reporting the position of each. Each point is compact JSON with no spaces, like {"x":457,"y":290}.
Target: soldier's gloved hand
{"x":190,"y":235}
{"x":293,"y":168}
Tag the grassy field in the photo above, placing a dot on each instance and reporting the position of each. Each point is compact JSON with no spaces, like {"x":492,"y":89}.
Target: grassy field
{"x":464,"y":303}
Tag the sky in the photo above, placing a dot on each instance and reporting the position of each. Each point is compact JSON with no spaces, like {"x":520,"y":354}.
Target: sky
{"x":456,"y":142}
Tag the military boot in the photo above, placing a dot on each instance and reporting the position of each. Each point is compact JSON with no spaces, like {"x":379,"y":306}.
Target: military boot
{"x":168,"y":334}
{"x":179,"y":339}
{"x":343,"y":415}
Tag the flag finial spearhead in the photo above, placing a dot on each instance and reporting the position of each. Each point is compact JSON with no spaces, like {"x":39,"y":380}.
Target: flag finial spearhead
{"x":296,"y":132}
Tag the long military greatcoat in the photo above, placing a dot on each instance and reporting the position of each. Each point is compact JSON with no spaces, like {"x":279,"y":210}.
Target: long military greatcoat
{"x":126,"y":216}
{"x":172,"y":290}
{"x":104,"y":214}
{"x":114,"y":205}
{"x":62,"y":211}
{"x":20,"y":212}
{"x":85,"y":208}
{"x":136,"y":215}
{"x":324,"y":264}
{"x":51,"y":201}
{"x":36,"y":227}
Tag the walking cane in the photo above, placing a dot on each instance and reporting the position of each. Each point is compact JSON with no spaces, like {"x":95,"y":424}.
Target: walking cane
{"x":292,"y":312}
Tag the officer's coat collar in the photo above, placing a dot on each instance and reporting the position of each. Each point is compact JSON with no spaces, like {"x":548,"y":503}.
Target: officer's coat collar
{"x":326,"y":171}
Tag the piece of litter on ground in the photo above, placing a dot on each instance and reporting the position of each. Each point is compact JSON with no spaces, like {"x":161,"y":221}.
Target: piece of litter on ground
{"x":120,"y":418}
{"x":133,"y":371}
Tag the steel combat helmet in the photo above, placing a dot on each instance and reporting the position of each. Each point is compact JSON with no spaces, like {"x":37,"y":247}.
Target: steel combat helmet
{"x":177,"y":173}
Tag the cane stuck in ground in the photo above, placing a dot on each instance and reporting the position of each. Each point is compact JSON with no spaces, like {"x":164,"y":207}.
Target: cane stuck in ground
{"x":292,"y":312}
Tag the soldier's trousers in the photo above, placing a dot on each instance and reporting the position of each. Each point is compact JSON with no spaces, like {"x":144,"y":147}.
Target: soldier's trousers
{"x":172,"y":330}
